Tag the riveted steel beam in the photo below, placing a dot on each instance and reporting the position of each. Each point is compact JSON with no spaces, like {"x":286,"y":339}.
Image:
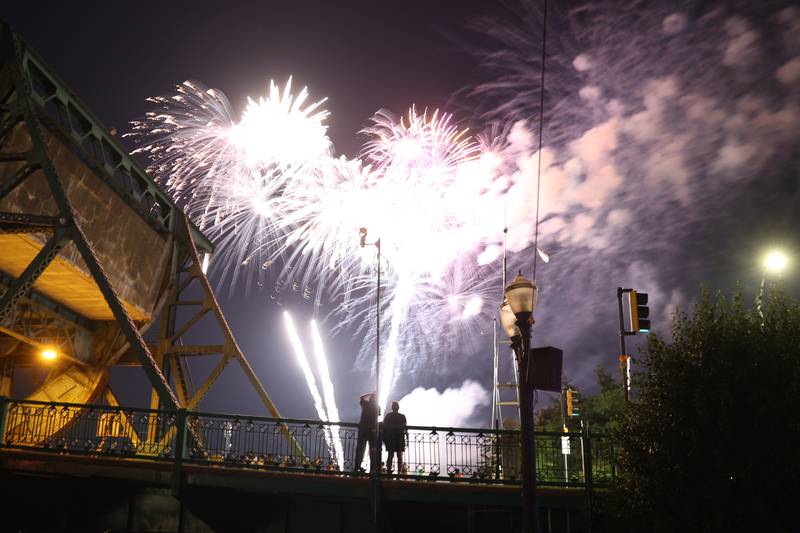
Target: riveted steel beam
{"x":29,"y":219}
{"x":122,"y":317}
{"x":179,"y":378}
{"x":9,"y":125}
{"x":41,"y":302}
{"x":14,"y":180}
{"x":25,"y":281}
{"x":210,"y":380}
{"x":38,"y":155}
{"x":126,"y":427}
{"x":200,"y":349}
{"x":188,"y":325}
{"x":113,"y":164}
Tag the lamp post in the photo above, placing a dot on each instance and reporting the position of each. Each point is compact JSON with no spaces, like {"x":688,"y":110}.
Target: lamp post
{"x":375,"y":460}
{"x":516,"y":315}
{"x":774,"y":262}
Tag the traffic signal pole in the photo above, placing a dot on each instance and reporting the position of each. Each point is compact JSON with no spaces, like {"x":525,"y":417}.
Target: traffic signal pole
{"x":623,"y":357}
{"x":640,"y":322}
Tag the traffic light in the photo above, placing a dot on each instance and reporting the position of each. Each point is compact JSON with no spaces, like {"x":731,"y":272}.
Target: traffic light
{"x":573,"y":403}
{"x":640,"y":313}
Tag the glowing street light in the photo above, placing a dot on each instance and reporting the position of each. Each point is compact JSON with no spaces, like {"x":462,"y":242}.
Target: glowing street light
{"x":516,"y":315}
{"x":49,"y":354}
{"x":775,"y":262}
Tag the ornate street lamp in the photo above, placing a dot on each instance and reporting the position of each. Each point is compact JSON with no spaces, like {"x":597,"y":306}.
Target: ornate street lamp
{"x":516,"y":315}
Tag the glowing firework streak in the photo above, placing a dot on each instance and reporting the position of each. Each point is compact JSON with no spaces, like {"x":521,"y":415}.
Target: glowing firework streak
{"x":327,"y":391}
{"x":300,"y":353}
{"x":232,"y":177}
{"x":266,"y":190}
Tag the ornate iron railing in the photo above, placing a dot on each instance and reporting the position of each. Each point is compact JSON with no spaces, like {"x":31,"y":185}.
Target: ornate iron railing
{"x":234,"y":441}
{"x":86,"y":429}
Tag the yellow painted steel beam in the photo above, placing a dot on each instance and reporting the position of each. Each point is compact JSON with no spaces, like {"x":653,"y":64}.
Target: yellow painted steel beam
{"x":62,"y":281}
{"x":178,"y":378}
{"x":125,"y":428}
{"x":195,"y":401}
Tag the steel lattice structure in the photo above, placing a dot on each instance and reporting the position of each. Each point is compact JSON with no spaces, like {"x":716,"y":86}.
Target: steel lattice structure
{"x":93,"y":255}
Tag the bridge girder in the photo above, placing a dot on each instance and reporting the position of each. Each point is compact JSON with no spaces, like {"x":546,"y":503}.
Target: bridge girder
{"x":97,"y":252}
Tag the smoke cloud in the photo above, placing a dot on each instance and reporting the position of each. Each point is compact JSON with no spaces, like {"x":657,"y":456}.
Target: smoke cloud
{"x":670,"y":153}
{"x":453,"y":407}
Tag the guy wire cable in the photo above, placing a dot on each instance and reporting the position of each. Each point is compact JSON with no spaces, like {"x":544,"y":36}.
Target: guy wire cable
{"x":541,"y":130}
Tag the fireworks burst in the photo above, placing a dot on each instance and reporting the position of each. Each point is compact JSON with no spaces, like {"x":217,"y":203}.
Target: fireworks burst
{"x":268,"y":191}
{"x":232,"y":178}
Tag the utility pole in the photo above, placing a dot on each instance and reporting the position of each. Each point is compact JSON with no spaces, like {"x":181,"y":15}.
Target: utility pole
{"x":375,"y":452}
{"x":623,"y":357}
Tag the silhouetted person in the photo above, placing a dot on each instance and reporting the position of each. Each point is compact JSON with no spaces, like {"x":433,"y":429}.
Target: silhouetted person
{"x":367,"y":429}
{"x":394,"y":436}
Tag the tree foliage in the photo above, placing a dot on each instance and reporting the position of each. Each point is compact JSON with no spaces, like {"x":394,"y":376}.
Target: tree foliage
{"x":600,"y":411}
{"x":708,"y":442}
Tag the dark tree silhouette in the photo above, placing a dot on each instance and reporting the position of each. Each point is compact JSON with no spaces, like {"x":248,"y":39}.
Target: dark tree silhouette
{"x":709,"y":441}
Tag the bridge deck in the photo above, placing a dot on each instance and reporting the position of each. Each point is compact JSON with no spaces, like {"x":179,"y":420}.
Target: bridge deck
{"x":121,"y":467}
{"x":152,"y":473}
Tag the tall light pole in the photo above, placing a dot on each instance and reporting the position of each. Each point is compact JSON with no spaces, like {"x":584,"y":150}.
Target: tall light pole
{"x":376,"y":456}
{"x":516,"y":315}
{"x":774,"y":262}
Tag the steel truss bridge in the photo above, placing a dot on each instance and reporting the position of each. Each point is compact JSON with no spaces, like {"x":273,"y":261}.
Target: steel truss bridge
{"x":98,"y":264}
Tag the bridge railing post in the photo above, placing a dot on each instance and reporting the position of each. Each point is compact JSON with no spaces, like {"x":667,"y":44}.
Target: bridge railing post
{"x":588,"y":477}
{"x":181,"y":420}
{"x":497,"y":442}
{"x":4,"y":403}
{"x":587,"y":460}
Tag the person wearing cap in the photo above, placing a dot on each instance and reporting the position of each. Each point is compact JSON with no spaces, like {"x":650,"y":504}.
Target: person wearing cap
{"x":367,"y":428}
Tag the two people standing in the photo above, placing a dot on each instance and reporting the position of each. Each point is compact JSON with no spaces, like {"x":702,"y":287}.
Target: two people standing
{"x":394,"y":434}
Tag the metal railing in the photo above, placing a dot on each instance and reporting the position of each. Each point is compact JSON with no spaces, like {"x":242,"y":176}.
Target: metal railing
{"x":325,"y":448}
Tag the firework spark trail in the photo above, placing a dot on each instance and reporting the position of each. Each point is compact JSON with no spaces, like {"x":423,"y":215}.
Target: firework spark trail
{"x":231,"y":177}
{"x":669,"y":98}
{"x":328,"y":393}
{"x":300,"y":354}
{"x":420,"y":157}
{"x":268,"y":190}
{"x":420,"y":164}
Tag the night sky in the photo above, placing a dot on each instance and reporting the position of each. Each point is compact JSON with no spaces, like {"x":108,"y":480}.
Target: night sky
{"x":671,"y":150}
